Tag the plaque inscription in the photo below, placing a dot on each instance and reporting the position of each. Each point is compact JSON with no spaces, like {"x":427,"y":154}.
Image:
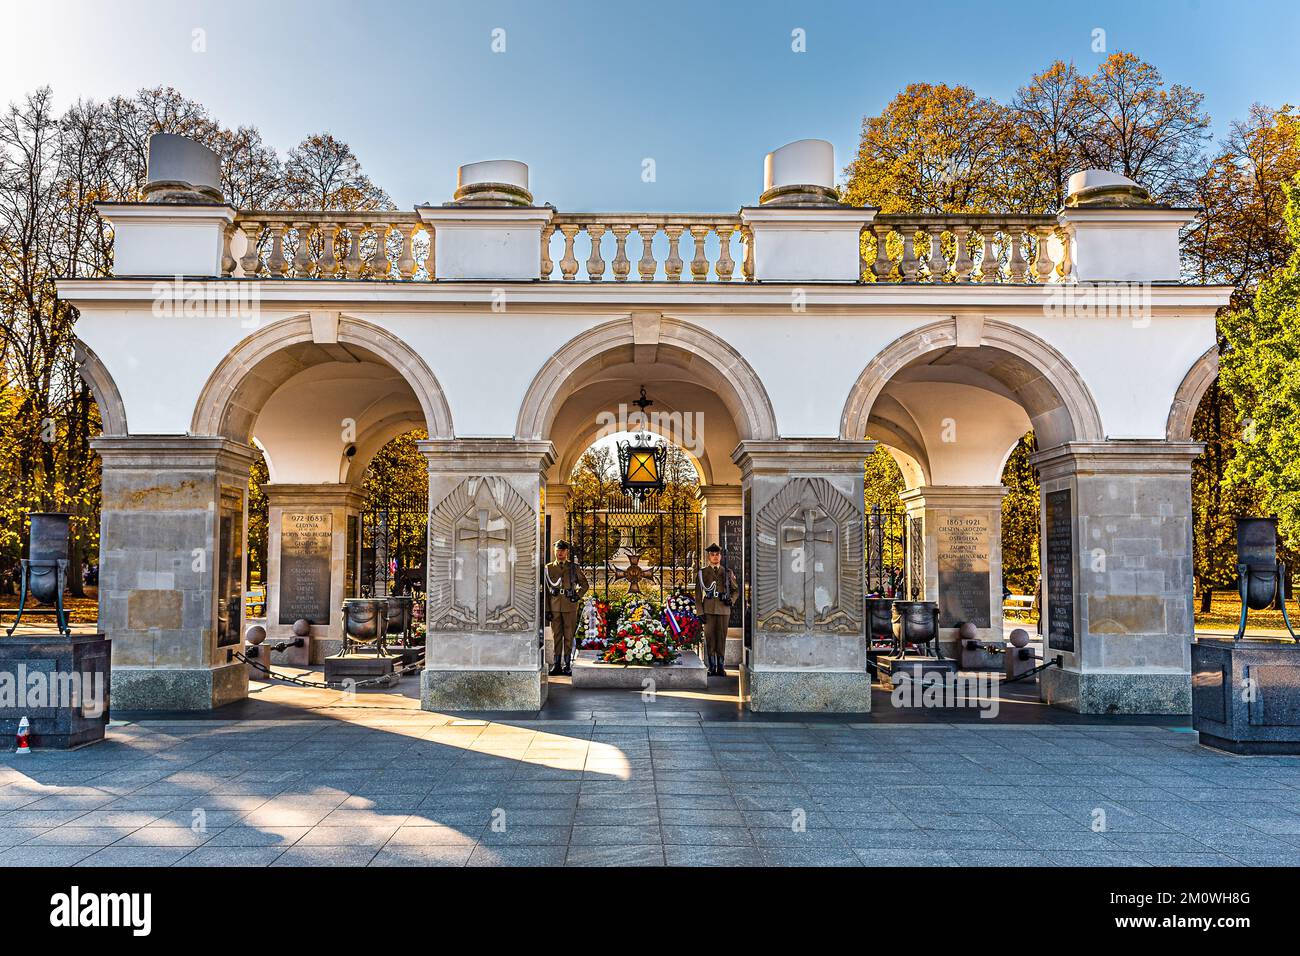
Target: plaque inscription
{"x":1059,"y":555}
{"x":306,"y":540}
{"x":962,"y":541}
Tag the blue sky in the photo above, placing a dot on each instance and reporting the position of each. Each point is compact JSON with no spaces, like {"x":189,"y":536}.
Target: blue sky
{"x":586,"y":91}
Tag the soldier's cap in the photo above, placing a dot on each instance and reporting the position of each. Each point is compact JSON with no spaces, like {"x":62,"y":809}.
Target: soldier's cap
{"x":713,"y":549}
{"x":561,"y":546}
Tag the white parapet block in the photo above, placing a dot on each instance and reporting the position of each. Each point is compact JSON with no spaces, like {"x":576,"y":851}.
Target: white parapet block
{"x":1123,"y":244}
{"x":487,"y":242}
{"x":167,"y":239}
{"x":806,"y":243}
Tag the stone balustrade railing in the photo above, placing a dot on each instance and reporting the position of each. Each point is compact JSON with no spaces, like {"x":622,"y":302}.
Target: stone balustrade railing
{"x":330,"y":245}
{"x":710,"y":237}
{"x":396,"y":245}
{"x":981,"y":248}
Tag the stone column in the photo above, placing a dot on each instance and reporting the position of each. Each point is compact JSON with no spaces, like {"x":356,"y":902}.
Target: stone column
{"x":1117,"y":575}
{"x":484,"y":646}
{"x":716,"y":503}
{"x":310,"y":578}
{"x":962,"y":556}
{"x":804,"y":512}
{"x":175,"y":510}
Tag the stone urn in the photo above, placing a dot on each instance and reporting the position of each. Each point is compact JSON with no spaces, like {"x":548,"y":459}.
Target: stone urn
{"x":880,"y":619}
{"x":365,"y":621}
{"x":916,"y":622}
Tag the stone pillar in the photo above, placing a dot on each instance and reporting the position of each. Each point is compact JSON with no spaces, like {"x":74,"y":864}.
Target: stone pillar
{"x":308,"y":569}
{"x":173,"y":545}
{"x":962,"y":556}
{"x":804,"y":512}
{"x":719,"y":502}
{"x":1117,"y":575}
{"x":484,"y":646}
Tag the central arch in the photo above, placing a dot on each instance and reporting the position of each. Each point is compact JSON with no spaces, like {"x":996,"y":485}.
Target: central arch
{"x":673,"y":342}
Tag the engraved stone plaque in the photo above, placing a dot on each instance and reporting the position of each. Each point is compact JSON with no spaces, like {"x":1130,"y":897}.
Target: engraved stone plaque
{"x":1059,"y":558}
{"x":306,"y":540}
{"x":962,"y":543}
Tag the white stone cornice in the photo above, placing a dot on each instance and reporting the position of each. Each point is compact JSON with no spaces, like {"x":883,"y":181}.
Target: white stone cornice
{"x":842,"y":297}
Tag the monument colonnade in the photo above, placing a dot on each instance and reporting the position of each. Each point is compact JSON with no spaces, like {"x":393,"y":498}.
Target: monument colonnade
{"x":320,"y":336}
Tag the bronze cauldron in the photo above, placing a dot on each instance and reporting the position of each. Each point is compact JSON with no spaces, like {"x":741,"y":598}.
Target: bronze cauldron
{"x":365,"y":621}
{"x":916,"y":622}
{"x":880,"y":619}
{"x":401,"y":611}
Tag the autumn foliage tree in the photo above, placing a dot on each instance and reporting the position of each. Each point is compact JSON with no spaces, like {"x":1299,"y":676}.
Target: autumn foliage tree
{"x":54,"y":167}
{"x":945,"y":149}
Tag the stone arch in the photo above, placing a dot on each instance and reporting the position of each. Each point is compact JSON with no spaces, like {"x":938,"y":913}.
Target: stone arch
{"x":739,"y":386}
{"x":112,"y":412}
{"x":230,"y":400}
{"x":1191,"y":390}
{"x":1055,"y":393}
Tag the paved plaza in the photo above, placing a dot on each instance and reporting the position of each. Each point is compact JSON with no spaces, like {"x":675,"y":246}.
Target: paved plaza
{"x":379,"y":782}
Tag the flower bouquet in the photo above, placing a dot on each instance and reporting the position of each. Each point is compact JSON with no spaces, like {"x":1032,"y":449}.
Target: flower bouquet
{"x":682,"y":623}
{"x":640,"y":638}
{"x":593,"y":625}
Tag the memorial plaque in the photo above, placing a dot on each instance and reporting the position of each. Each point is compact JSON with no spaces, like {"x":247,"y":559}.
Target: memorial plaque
{"x":230,"y":568}
{"x":962,"y":541}
{"x":306,"y":542}
{"x":1059,"y":555}
{"x":730,"y":531}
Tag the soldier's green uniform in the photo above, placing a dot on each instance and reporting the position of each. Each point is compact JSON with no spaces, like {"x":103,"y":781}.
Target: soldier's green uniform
{"x":565,"y":585}
{"x":715,"y":592}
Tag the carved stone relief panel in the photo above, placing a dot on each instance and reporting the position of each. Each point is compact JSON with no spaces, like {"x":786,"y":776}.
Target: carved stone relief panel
{"x":481,"y":540}
{"x":810,"y":556}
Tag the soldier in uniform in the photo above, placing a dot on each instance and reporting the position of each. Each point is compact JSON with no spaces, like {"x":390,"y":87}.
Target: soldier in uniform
{"x":565,"y":585}
{"x":715,"y":592}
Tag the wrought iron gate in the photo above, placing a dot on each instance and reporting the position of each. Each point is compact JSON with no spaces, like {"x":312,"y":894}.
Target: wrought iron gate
{"x":395,"y":545}
{"x":626,"y":546}
{"x":889,"y":541}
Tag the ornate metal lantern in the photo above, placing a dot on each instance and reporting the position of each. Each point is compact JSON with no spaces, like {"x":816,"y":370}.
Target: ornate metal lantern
{"x":45,"y":569}
{"x":641,"y":461}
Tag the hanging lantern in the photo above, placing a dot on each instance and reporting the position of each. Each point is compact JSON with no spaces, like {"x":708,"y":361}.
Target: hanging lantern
{"x":641,"y":461}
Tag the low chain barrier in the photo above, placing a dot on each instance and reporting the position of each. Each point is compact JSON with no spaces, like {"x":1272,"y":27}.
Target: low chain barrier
{"x":385,"y":680}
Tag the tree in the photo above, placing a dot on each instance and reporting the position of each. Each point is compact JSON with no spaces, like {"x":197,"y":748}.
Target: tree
{"x":1020,"y":518}
{"x":1261,"y":370}
{"x":1131,"y":123}
{"x":53,"y":169}
{"x":1240,"y":235}
{"x":1239,"y":238}
{"x":323,"y":173}
{"x":1047,"y":114}
{"x":934,"y":148}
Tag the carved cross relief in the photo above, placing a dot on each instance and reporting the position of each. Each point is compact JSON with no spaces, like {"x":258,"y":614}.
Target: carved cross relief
{"x":808,"y":567}
{"x":805,"y":576}
{"x":481,"y":539}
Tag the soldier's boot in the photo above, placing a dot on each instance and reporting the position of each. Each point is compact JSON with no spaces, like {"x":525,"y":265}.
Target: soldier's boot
{"x":568,"y":667}
{"x":713,"y":666}
{"x":558,"y":667}
{"x":722,"y":668}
